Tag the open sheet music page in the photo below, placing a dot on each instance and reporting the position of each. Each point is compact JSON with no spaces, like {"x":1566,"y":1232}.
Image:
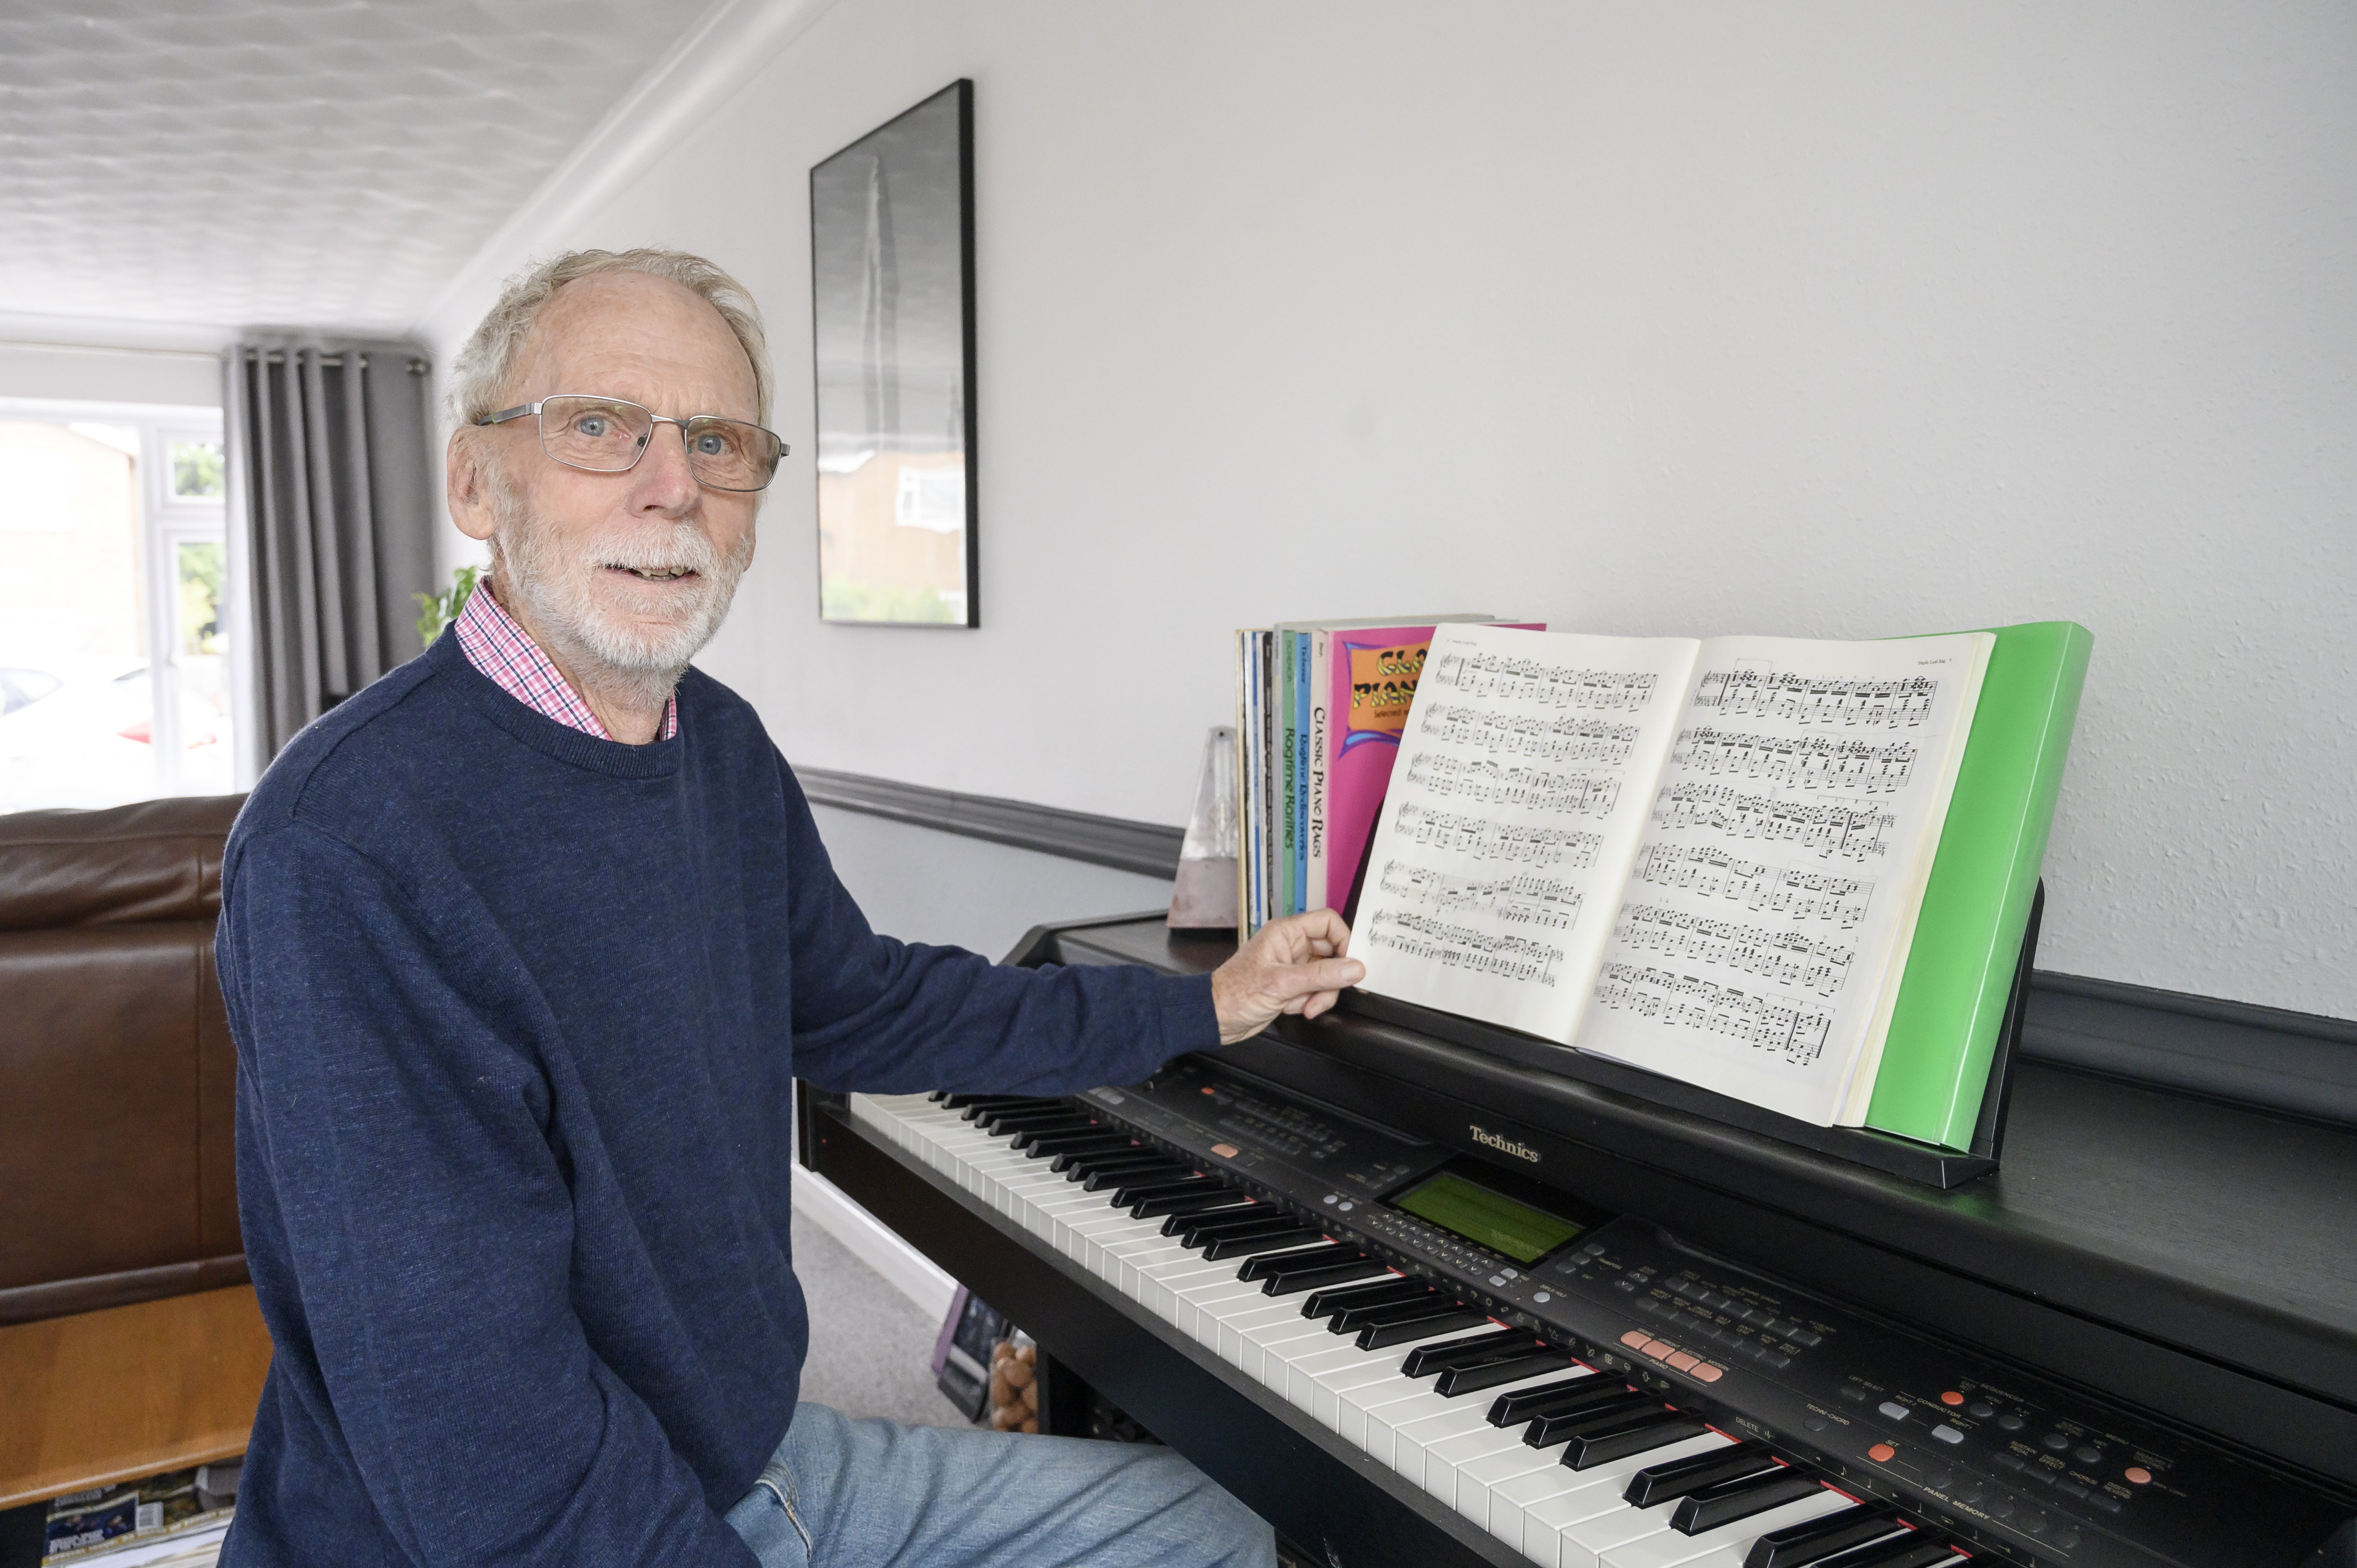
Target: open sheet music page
{"x":1515,"y":808}
{"x":1789,"y":843}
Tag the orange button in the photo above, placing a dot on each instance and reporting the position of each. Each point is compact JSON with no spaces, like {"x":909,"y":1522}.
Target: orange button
{"x":1659,"y":1350}
{"x":1225,"y":1151}
{"x":1951,"y":1397}
{"x":1705,"y":1373}
{"x":1882,"y":1454}
{"x":2140,"y":1475}
{"x":1636,"y":1339}
{"x":1683,"y":1362}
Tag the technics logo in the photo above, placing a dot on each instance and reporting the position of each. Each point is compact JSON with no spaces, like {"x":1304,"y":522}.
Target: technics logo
{"x":1488,"y":1140}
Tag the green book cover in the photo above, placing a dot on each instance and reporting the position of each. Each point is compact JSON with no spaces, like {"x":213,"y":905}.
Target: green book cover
{"x":1283,"y":893}
{"x":1960,"y":969}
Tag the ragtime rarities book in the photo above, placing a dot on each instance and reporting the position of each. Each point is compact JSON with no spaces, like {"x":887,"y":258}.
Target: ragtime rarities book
{"x":1790,"y":871}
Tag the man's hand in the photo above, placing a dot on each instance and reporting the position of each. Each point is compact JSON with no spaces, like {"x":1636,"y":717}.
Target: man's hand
{"x":1293,"y":965}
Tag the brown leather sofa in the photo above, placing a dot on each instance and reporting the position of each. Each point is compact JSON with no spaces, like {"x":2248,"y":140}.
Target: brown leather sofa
{"x":118,"y":1166}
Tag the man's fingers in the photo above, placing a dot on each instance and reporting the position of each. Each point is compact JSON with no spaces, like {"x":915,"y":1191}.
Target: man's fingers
{"x":1325,"y":926}
{"x":1298,"y":980}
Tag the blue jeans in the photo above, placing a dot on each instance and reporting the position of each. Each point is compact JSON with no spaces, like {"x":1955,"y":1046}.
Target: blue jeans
{"x":840,"y":1493}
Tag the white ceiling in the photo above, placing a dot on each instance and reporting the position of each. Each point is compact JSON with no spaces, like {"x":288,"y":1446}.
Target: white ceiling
{"x":327,"y":163}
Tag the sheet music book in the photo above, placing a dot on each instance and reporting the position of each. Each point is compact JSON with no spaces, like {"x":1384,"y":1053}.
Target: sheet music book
{"x":1704,"y":858}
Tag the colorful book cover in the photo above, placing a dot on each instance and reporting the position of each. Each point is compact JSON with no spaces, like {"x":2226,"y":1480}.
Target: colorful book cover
{"x":1297,"y":672}
{"x":1959,"y":972}
{"x":1288,"y":728}
{"x":1264,"y":658}
{"x":1372,"y":681}
{"x":1314,"y":890}
{"x":1246,"y":821}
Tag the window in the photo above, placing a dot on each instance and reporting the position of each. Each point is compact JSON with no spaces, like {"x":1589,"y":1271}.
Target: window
{"x":115,"y":599}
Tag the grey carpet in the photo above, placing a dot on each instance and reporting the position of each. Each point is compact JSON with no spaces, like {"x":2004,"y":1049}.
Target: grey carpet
{"x":870,"y":1349}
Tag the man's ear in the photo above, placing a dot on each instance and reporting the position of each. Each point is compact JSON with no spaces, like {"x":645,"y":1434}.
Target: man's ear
{"x":467,"y":485}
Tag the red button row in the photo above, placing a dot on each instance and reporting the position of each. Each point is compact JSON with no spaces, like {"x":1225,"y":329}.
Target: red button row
{"x":1662,"y":1350}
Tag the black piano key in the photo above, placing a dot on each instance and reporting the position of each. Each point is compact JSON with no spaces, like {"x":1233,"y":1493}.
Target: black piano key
{"x":1225,"y":1196}
{"x":975,"y":1104}
{"x":1080,"y":1167}
{"x":1914,"y":1550}
{"x":1029,"y":1138}
{"x":1667,"y":1483}
{"x":1731,"y":1500}
{"x":1422,"y":1304}
{"x":1523,"y":1405}
{"x":1305,"y":1276}
{"x":1179,"y":1224}
{"x":1245,"y":1246}
{"x":1426,"y":1359}
{"x":1201,"y":1228}
{"x":1164,"y":1187}
{"x":981,"y":1109}
{"x":1112,"y":1179}
{"x":1589,"y":1448}
{"x":1399,"y":1287}
{"x":1384,"y":1336}
{"x":939,"y":1096}
{"x":1555,"y":1426}
{"x":1799,"y":1545}
{"x":1456,"y":1381}
{"x":1007,"y":1124}
{"x":1095,"y":1139}
{"x":1558,"y":1399}
{"x":1267,"y":1263}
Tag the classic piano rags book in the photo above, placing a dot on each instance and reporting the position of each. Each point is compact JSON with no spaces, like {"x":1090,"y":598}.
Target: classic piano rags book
{"x":1795,"y":872}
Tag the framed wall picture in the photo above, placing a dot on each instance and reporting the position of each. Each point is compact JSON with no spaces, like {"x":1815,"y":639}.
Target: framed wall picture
{"x":892,"y":318}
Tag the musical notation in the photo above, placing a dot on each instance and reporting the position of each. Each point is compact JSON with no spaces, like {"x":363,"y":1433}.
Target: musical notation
{"x":1786,"y":957}
{"x":1801,"y":762}
{"x":1798,"y":894}
{"x":1794,"y":1033}
{"x":1498,"y":784}
{"x":1524,"y":734}
{"x":1517,"y":843}
{"x":1827,"y":830}
{"x":1904,"y":703}
{"x":1525,"y":678}
{"x":1504,"y":954}
{"x":1518,"y":899}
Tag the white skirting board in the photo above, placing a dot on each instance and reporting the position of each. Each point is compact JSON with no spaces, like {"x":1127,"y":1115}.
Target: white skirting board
{"x":873,"y":1243}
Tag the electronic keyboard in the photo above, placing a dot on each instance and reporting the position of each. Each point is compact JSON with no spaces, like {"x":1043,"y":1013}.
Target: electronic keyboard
{"x":1576,"y":1388}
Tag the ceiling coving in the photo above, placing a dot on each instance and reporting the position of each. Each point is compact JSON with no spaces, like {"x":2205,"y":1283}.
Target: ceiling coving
{"x":328,"y":165}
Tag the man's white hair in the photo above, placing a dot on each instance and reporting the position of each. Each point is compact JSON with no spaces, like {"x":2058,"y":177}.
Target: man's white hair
{"x":479,"y":376}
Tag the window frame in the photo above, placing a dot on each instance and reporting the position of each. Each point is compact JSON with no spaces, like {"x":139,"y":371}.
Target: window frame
{"x":164,"y":522}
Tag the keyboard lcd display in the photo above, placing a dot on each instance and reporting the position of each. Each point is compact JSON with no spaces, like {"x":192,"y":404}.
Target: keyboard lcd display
{"x":1493,"y":1219}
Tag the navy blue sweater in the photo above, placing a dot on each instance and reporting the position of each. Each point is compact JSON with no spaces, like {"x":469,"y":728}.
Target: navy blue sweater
{"x":517,"y":1015}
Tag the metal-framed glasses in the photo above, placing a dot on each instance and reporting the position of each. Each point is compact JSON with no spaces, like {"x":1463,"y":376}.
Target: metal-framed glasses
{"x":610,"y":434}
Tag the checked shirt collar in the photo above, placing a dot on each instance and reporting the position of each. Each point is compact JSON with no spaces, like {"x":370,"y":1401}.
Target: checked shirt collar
{"x":496,"y":644}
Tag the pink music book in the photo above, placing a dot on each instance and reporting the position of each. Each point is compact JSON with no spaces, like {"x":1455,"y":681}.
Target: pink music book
{"x":1372,"y":674}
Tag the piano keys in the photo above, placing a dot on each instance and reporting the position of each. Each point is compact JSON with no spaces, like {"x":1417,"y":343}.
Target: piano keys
{"x":1471,"y":1412}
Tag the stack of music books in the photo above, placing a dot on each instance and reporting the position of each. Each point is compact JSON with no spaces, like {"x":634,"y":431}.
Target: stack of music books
{"x":1319,"y":707}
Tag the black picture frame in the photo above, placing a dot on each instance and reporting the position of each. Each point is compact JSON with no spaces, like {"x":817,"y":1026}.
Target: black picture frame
{"x":892,"y":335}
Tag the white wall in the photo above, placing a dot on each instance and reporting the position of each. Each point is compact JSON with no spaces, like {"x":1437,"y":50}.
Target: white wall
{"x":926,"y":886}
{"x":51,"y":373}
{"x":1827,"y":319}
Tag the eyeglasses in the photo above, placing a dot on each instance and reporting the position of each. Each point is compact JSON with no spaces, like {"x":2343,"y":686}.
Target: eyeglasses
{"x":609,"y":436}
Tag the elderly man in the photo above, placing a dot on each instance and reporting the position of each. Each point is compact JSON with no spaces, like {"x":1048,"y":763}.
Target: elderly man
{"x":524,"y":946}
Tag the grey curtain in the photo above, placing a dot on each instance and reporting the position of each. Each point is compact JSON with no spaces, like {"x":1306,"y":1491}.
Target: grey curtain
{"x":333,"y":443}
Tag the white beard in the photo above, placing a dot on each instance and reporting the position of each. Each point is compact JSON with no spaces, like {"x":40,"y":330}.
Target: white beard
{"x":637,"y":663}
